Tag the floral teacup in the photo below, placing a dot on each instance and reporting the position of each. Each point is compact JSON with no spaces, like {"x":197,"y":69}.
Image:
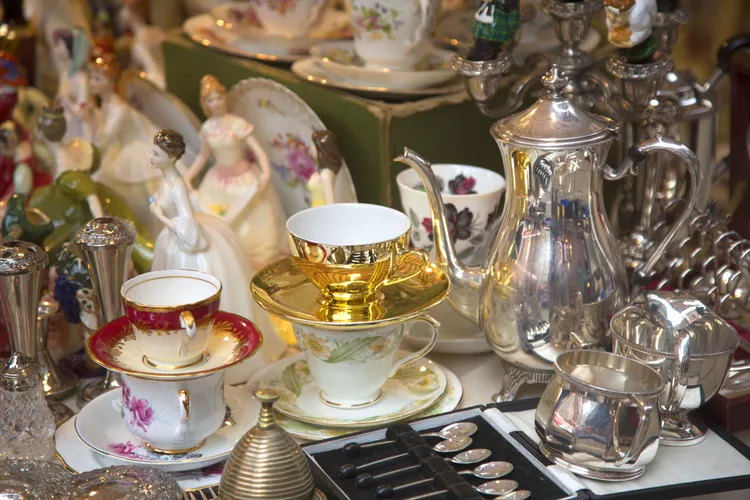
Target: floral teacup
{"x":288,"y":18}
{"x":392,"y":34}
{"x":173,"y":416}
{"x":472,"y":204}
{"x":172,"y":313}
{"x":351,"y":366}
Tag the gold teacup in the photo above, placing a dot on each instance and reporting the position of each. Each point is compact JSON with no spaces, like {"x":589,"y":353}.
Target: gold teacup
{"x":351,"y":250}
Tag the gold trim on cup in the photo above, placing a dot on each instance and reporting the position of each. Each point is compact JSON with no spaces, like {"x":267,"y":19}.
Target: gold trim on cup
{"x":205,"y":356}
{"x":352,"y":406}
{"x":171,"y":452}
{"x":192,"y":305}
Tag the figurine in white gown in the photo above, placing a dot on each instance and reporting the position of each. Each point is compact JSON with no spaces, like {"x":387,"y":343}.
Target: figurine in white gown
{"x":124,"y":136}
{"x":237,"y":188}
{"x":202,"y":242}
{"x":71,"y":51}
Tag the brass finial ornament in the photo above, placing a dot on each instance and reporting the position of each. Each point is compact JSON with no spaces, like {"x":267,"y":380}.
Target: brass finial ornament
{"x":267,"y":463}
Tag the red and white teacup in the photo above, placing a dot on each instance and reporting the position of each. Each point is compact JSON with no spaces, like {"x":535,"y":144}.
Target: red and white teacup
{"x":172,"y":313}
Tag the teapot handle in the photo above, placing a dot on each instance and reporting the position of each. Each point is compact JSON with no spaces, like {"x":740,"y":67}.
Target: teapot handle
{"x":638,"y":152}
{"x":640,"y":440}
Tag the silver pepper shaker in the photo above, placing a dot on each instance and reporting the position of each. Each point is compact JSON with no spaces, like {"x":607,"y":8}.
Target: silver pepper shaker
{"x":21,"y":266}
{"x":27,"y":427}
{"x":106,"y":245}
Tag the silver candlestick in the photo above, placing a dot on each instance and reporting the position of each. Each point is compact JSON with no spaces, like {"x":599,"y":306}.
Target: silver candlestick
{"x":588,"y":84}
{"x":57,"y":383}
{"x":106,"y":245}
{"x":21,"y":266}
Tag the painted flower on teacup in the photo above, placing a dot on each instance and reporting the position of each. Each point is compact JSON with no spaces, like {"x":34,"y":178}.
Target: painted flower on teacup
{"x":458,"y":185}
{"x":359,"y":350}
{"x":245,"y":17}
{"x":139,"y":411}
{"x":462,"y":225}
{"x":374,"y":22}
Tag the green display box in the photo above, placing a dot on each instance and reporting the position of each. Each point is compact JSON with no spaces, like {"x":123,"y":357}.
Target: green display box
{"x":445,"y":129}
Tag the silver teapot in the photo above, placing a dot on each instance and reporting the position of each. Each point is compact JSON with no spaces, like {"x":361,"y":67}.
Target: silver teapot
{"x":554,"y":274}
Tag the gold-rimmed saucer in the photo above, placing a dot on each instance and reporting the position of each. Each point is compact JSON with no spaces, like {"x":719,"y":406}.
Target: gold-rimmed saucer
{"x":283,"y":290}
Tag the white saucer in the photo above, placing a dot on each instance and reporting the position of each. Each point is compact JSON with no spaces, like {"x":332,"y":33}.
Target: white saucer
{"x":340,"y":59}
{"x":100,"y":427}
{"x":238,"y":17}
{"x":311,"y":70}
{"x":203,"y":30}
{"x":447,"y":402}
{"x":414,"y":388}
{"x":75,"y":456}
{"x":457,"y":334}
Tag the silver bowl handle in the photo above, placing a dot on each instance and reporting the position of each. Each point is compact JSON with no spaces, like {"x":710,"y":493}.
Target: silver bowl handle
{"x":640,"y":440}
{"x":679,"y":379}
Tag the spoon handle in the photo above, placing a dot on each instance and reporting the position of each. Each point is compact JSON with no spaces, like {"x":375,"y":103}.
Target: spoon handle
{"x":387,"y":491}
{"x":395,"y":472}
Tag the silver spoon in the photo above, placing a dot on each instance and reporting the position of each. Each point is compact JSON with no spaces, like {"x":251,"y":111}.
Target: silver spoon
{"x":350,"y":470}
{"x":455,"y":431}
{"x":464,"y":458}
{"x":453,"y":445}
{"x":490,"y":470}
{"x":497,"y":488}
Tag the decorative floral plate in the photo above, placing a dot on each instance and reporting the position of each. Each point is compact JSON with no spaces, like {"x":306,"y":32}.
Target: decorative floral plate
{"x":284,"y":125}
{"x":203,"y":30}
{"x":447,"y":402}
{"x":284,"y":291}
{"x":340,"y":59}
{"x":240,"y":18}
{"x":414,"y":388}
{"x":100,"y":427}
{"x":78,"y":458}
{"x":232,"y":340}
{"x":311,"y":70}
{"x":163,"y":109}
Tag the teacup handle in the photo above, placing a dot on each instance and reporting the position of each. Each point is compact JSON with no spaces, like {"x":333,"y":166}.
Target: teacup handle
{"x":315,"y":14}
{"x":184,"y":397}
{"x":424,"y":257}
{"x":679,"y":379}
{"x":645,"y":411}
{"x":435,"y":324}
{"x":187,"y":321}
{"x":425,"y":7}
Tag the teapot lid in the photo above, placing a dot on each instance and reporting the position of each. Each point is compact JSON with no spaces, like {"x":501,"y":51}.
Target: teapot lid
{"x":554,"y":121}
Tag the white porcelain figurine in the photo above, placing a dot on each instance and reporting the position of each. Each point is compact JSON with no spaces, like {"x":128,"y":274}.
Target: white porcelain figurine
{"x":237,"y":188}
{"x":123,"y":136}
{"x":71,"y":51}
{"x":629,"y":21}
{"x":199,"y":241}
{"x":146,"y":49}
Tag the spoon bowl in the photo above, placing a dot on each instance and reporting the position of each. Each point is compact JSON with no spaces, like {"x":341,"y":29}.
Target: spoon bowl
{"x":471,"y":456}
{"x":453,"y":445}
{"x":492,"y":470}
{"x":497,"y":488}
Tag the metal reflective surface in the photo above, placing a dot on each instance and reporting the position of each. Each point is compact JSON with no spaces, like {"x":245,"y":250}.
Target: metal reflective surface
{"x":599,"y":416}
{"x":470,"y":456}
{"x":688,"y":345}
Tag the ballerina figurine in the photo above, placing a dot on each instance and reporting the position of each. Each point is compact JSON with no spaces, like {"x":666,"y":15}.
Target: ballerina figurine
{"x":322,"y":184}
{"x":238,"y":187}
{"x":123,"y":135}
{"x":71,"y":50}
{"x":203,"y":242}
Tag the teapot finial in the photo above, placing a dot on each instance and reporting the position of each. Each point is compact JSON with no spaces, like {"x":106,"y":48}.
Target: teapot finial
{"x":555,"y":81}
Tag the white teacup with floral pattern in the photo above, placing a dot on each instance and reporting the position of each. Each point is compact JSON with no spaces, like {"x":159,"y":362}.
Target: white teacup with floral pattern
{"x":393,"y":34}
{"x":288,"y":18}
{"x":472,"y":204}
{"x":173,"y":416}
{"x":351,"y":366}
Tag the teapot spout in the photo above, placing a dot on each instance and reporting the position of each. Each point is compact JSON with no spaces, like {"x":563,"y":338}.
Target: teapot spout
{"x":464,"y":280}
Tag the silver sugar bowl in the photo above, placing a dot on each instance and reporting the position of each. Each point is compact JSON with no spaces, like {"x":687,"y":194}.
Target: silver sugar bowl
{"x":599,"y":416}
{"x":691,"y":348}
